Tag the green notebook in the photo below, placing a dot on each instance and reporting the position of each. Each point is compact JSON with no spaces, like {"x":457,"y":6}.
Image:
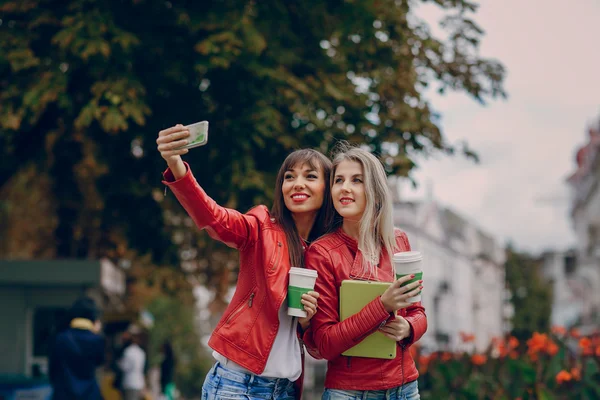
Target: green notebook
{"x":354,"y":296}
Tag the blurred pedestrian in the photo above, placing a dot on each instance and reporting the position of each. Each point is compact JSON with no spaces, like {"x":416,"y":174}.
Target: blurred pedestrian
{"x":132,"y":364}
{"x":167,"y":371}
{"x":76,"y":354}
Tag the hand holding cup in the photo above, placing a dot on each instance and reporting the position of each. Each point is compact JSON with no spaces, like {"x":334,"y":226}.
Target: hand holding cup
{"x":398,"y":294}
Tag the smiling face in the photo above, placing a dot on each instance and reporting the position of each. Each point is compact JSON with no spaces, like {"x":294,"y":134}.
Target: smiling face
{"x":303,"y":189}
{"x":348,"y":190}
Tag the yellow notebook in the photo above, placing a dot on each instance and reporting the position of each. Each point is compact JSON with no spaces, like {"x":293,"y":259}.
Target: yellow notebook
{"x":354,"y":296}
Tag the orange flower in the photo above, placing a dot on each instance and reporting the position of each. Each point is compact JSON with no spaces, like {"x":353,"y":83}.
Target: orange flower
{"x":563,"y":376}
{"x":551,"y":348}
{"x":559,"y":330}
{"x":586,"y":346}
{"x":478,"y":359}
{"x":598,"y":351}
{"x":584,"y":343}
{"x":467,"y":337}
{"x":537,"y":343}
{"x":423,"y":364}
{"x":576,"y":373}
{"x":513,"y":342}
{"x":515,"y":354}
{"x":502,"y":350}
{"x":446,"y":356}
{"x":575,"y":333}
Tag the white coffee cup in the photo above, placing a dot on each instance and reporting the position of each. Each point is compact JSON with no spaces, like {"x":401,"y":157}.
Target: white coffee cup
{"x":408,"y":263}
{"x":302,"y":281}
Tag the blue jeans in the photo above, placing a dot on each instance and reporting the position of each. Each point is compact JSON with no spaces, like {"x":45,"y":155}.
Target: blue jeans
{"x":226,"y":384}
{"x":408,"y":391}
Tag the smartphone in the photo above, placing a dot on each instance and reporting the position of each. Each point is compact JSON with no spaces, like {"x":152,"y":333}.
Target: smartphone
{"x":198,"y":135}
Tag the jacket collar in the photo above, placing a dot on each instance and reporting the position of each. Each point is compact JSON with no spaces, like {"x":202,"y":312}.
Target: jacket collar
{"x":357,"y":270}
{"x":82,"y":323}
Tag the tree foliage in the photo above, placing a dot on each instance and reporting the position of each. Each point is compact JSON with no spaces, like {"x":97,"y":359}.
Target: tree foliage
{"x":86,"y":85}
{"x":531,"y":295}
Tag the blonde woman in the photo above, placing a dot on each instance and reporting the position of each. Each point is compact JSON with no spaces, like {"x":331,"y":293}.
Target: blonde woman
{"x":360,"y":248}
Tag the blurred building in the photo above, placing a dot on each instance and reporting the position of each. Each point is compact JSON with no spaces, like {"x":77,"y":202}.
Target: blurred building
{"x":463,"y":272}
{"x":35,"y":297}
{"x":560,"y":269}
{"x":585,"y":215}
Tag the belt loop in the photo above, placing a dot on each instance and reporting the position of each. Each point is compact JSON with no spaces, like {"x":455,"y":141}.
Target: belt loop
{"x":365,"y":393}
{"x":251,"y":380}
{"x":215,"y":367}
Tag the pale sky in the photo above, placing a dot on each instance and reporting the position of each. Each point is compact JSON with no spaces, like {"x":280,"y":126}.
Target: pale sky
{"x":526,"y":143}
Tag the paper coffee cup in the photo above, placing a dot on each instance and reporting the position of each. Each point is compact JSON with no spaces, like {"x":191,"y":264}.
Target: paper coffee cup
{"x":302,"y":281}
{"x":408,"y":263}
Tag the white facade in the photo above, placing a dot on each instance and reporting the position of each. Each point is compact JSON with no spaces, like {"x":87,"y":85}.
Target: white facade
{"x":559,"y":268}
{"x":585,"y":213}
{"x":464,"y":279}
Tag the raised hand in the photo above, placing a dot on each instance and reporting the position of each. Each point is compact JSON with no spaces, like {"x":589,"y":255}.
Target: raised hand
{"x":168,"y":141}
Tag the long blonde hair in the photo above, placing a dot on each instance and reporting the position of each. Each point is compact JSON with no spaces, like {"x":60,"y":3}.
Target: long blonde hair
{"x":376,"y":227}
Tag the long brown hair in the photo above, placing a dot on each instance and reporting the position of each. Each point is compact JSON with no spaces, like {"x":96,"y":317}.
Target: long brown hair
{"x":282,"y":214}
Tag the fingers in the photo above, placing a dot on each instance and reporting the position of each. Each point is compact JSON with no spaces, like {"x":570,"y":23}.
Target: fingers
{"x":176,"y":145}
{"x":309,"y":300}
{"x":310,"y":307}
{"x":173,"y":137}
{"x":404,"y":279}
{"x":171,"y":140}
{"x":412,"y":293}
{"x":391,"y":336}
{"x":411,"y":286}
{"x":394,"y":334}
{"x":311,"y":296}
{"x":168,"y":131}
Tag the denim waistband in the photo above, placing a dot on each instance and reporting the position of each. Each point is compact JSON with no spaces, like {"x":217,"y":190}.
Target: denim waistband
{"x":247,"y":378}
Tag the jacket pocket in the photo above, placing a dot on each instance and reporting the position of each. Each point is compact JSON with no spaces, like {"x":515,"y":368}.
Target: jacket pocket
{"x":246,"y":304}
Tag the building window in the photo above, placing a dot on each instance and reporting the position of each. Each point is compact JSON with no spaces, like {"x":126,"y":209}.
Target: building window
{"x":570,"y":263}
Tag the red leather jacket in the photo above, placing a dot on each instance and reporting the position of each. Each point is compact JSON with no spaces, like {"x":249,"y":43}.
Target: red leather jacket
{"x":247,"y":330}
{"x":336,"y":257}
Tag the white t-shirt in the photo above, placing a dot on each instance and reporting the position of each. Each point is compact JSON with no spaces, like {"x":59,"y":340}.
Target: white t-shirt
{"x":132,"y":365}
{"x":285,"y":359}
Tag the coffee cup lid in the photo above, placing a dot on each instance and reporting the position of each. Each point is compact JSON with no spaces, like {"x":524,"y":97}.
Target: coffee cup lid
{"x":407,"y":256}
{"x":303,"y":272}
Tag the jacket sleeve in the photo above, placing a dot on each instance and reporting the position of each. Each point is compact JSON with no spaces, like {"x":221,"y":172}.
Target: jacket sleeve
{"x":416,"y":318}
{"x":306,"y":337}
{"x":415,"y":314}
{"x":330,"y":336}
{"x":229,"y":226}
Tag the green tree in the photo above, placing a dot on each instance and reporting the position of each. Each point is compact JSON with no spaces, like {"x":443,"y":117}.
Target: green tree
{"x":175,"y":323}
{"x":531,"y":294}
{"x":86,"y":85}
